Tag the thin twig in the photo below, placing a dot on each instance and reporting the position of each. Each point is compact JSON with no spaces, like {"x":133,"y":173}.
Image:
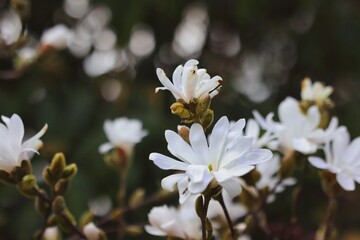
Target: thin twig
{"x":331,"y":209}
{"x":227,"y":216}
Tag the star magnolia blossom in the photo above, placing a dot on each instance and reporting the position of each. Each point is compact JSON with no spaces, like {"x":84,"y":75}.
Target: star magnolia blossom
{"x":189,"y":82}
{"x":296,"y":130}
{"x":316,"y":91}
{"x":181,"y":222}
{"x":122,"y":133}
{"x":341,"y":158}
{"x":226,"y":156}
{"x":13,"y":150}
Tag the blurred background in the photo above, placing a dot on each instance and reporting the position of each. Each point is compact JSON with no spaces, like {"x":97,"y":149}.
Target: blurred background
{"x":99,"y":63}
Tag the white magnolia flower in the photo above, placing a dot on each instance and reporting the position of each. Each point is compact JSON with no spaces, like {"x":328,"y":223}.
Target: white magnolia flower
{"x":226,"y":156}
{"x":10,"y":26}
{"x":316,"y":91}
{"x":181,"y":222}
{"x":296,"y":130}
{"x":269,"y":177}
{"x":56,"y":37}
{"x":13,"y":149}
{"x":91,"y":231}
{"x":189,"y":82}
{"x":122,"y":133}
{"x":342,"y":159}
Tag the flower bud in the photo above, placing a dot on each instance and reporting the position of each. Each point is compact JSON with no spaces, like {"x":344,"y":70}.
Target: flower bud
{"x":61,"y":187}
{"x":57,"y":165}
{"x":184,"y":132}
{"x":28,"y":186}
{"x":70,"y":171}
{"x":179,"y":109}
{"x":58,"y":205}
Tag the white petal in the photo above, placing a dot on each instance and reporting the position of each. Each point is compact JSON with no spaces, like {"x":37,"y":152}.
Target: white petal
{"x":240,"y":170}
{"x":345,"y":182}
{"x":318,"y":162}
{"x":255,"y":156}
{"x":167,"y":83}
{"x":181,"y":149}
{"x":177,"y":77}
{"x":198,"y":141}
{"x":183,"y":186}
{"x":154,"y":231}
{"x":167,"y":163}
{"x":217,"y":139}
{"x":352,"y":152}
{"x":304,"y":146}
{"x":105,"y":147}
{"x":232,"y":186}
{"x":199,"y":177}
{"x":169,"y":182}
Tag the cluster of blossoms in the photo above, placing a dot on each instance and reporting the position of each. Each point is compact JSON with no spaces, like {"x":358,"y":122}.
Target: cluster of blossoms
{"x":222,"y":178}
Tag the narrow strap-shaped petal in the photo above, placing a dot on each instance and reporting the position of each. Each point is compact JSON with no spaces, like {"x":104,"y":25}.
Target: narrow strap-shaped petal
{"x":318,"y":162}
{"x":167,"y":163}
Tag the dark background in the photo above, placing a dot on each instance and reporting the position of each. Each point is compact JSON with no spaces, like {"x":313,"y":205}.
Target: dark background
{"x":262,"y":49}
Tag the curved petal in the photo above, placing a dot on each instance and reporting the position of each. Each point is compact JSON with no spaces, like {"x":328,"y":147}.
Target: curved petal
{"x":318,"y":162}
{"x":255,"y":156}
{"x":199,"y":177}
{"x":345,"y":182}
{"x":304,"y":146}
{"x":177,"y":77}
{"x":183,"y":186}
{"x":232,"y":186}
{"x":181,"y":149}
{"x":168,"y":183}
{"x":167,"y":83}
{"x":154,"y":231}
{"x":167,"y":163}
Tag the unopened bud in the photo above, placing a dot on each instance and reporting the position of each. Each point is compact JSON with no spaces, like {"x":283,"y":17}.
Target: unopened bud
{"x":70,"y":171}
{"x":199,"y":206}
{"x":137,"y":197}
{"x":57,"y":165}
{"x":61,"y":186}
{"x":207,"y":118}
{"x":179,"y":109}
{"x":28,"y":186}
{"x":184,"y":132}
{"x":58,"y":205}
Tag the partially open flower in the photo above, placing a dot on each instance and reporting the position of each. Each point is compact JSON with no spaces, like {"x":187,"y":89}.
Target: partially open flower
{"x":223,"y":158}
{"x":316,"y":92}
{"x":296,"y":131}
{"x":189,"y":82}
{"x":122,"y":133}
{"x":13,"y":149}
